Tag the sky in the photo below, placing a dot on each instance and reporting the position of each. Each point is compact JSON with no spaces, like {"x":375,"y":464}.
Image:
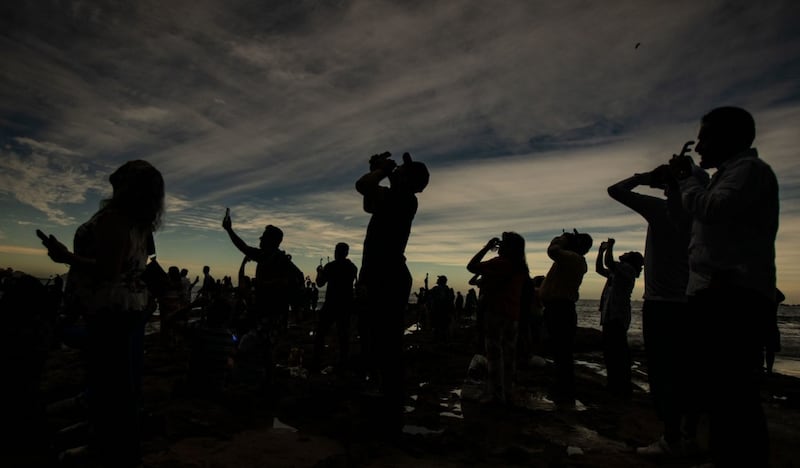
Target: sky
{"x":524,"y":111}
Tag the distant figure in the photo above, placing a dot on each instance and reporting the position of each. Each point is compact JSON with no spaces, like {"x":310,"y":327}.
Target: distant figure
{"x":188,"y":285}
{"x":503,"y":279}
{"x":471,"y":303}
{"x":208,"y":289}
{"x":538,"y":335}
{"x":459,"y":305}
{"x":441,"y":304}
{"x":384,"y":274}
{"x":110,"y":254}
{"x":170,"y":304}
{"x":615,"y":313}
{"x":772,"y":335}
{"x":339,"y":277}
{"x":731,"y":277}
{"x":276,"y":277}
{"x":559,"y":293}
{"x":667,"y":326}
{"x":480,"y":313}
{"x":314,"y":297}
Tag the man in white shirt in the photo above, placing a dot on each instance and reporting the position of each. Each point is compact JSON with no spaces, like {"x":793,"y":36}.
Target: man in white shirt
{"x":731,"y":278}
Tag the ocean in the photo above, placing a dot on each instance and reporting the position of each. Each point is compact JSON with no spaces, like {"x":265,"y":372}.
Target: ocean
{"x":787,"y":361}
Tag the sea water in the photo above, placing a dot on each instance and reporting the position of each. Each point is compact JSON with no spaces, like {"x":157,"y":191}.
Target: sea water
{"x":787,"y":361}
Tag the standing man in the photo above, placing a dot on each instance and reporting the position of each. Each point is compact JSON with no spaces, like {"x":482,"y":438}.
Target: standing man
{"x":275,"y":281}
{"x":559,"y":293}
{"x":384,"y":275}
{"x":665,"y":318}
{"x":339,"y":275}
{"x":731,"y":277}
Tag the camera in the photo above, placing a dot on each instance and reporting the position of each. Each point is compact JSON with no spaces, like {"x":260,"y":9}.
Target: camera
{"x":377,"y":160}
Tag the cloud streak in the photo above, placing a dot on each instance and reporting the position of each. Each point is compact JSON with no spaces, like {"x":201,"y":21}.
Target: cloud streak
{"x":524,"y":111}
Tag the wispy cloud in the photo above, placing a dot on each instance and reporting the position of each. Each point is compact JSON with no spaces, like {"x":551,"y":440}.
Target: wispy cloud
{"x":524,"y":111}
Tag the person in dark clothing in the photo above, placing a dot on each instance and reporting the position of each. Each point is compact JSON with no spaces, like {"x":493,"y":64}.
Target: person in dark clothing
{"x":666,"y":324}
{"x":559,"y":293}
{"x":384,"y":274}
{"x":339,"y":276}
{"x":276,"y":278}
{"x":732,"y":278}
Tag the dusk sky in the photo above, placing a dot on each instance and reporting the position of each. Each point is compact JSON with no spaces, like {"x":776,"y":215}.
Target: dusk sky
{"x":524,"y":111}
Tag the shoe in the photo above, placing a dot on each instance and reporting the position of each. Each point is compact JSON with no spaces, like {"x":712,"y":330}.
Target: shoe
{"x":659,"y":448}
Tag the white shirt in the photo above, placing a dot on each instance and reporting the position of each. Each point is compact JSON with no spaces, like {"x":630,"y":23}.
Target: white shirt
{"x":734,"y":227}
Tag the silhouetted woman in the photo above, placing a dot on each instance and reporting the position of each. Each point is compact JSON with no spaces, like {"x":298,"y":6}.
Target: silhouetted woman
{"x":105,"y":278}
{"x":503,"y":278}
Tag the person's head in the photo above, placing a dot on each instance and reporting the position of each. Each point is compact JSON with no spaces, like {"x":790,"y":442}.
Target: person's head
{"x":138,"y":192}
{"x":538,"y":280}
{"x":633,"y":259}
{"x":512,"y":246}
{"x":271,"y":238}
{"x":174,"y":274}
{"x":441,"y":280}
{"x":184,"y":272}
{"x":724,"y":132}
{"x":341,"y":251}
{"x":412,"y":176}
{"x":206,"y":269}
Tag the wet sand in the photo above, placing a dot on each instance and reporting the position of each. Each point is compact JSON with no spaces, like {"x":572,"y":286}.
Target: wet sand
{"x":322,"y":420}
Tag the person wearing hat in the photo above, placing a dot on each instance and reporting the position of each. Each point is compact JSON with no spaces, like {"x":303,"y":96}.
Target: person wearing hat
{"x":615,"y":314}
{"x":559,"y":293}
{"x":384,"y":276}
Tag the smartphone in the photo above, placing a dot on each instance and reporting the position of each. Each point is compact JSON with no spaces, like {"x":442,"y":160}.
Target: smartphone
{"x":42,"y":235}
{"x":227,"y":212}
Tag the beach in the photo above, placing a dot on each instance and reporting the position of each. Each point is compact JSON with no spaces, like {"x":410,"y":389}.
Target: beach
{"x":323,"y":420}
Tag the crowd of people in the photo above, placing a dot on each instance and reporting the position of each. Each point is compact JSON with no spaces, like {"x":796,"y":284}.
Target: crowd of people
{"x":709,"y":291}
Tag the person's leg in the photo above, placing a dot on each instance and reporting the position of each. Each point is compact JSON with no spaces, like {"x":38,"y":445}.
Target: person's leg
{"x":510,"y":339}
{"x":562,"y":324}
{"x":113,"y":404}
{"x":494,"y":357}
{"x":323,"y":326}
{"x":738,"y":428}
{"x":343,"y":331}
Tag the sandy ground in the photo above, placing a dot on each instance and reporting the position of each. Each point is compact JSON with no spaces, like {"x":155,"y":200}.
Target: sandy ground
{"x":322,"y":420}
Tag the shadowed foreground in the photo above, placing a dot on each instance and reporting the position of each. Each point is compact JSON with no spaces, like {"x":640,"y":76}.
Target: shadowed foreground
{"x":323,"y":420}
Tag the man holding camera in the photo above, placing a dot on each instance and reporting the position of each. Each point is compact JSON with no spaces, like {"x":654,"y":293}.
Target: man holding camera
{"x":732,"y":277}
{"x":665,"y":319}
{"x":384,"y":274}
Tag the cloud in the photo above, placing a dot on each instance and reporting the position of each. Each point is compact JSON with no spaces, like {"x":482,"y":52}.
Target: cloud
{"x":48,"y":178}
{"x":524,"y":111}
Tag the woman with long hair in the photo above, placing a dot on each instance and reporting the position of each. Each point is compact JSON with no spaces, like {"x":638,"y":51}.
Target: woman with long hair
{"x":503,"y":278}
{"x":105,"y":283}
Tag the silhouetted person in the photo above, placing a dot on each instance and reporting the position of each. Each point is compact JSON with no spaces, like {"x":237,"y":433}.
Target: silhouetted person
{"x":471,"y":303}
{"x":170,"y":305}
{"x":503,"y":277}
{"x":459,"y":305}
{"x":667,"y":326}
{"x":480,"y":314}
{"x":772,"y":336}
{"x":339,"y":277}
{"x":110,"y":254}
{"x":384,"y":274}
{"x":731,"y":277}
{"x":209,"y":285}
{"x":559,"y":293}
{"x":188,"y":285}
{"x":538,"y":333}
{"x":441,"y":306}
{"x":615,"y":313}
{"x":276,"y":277}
